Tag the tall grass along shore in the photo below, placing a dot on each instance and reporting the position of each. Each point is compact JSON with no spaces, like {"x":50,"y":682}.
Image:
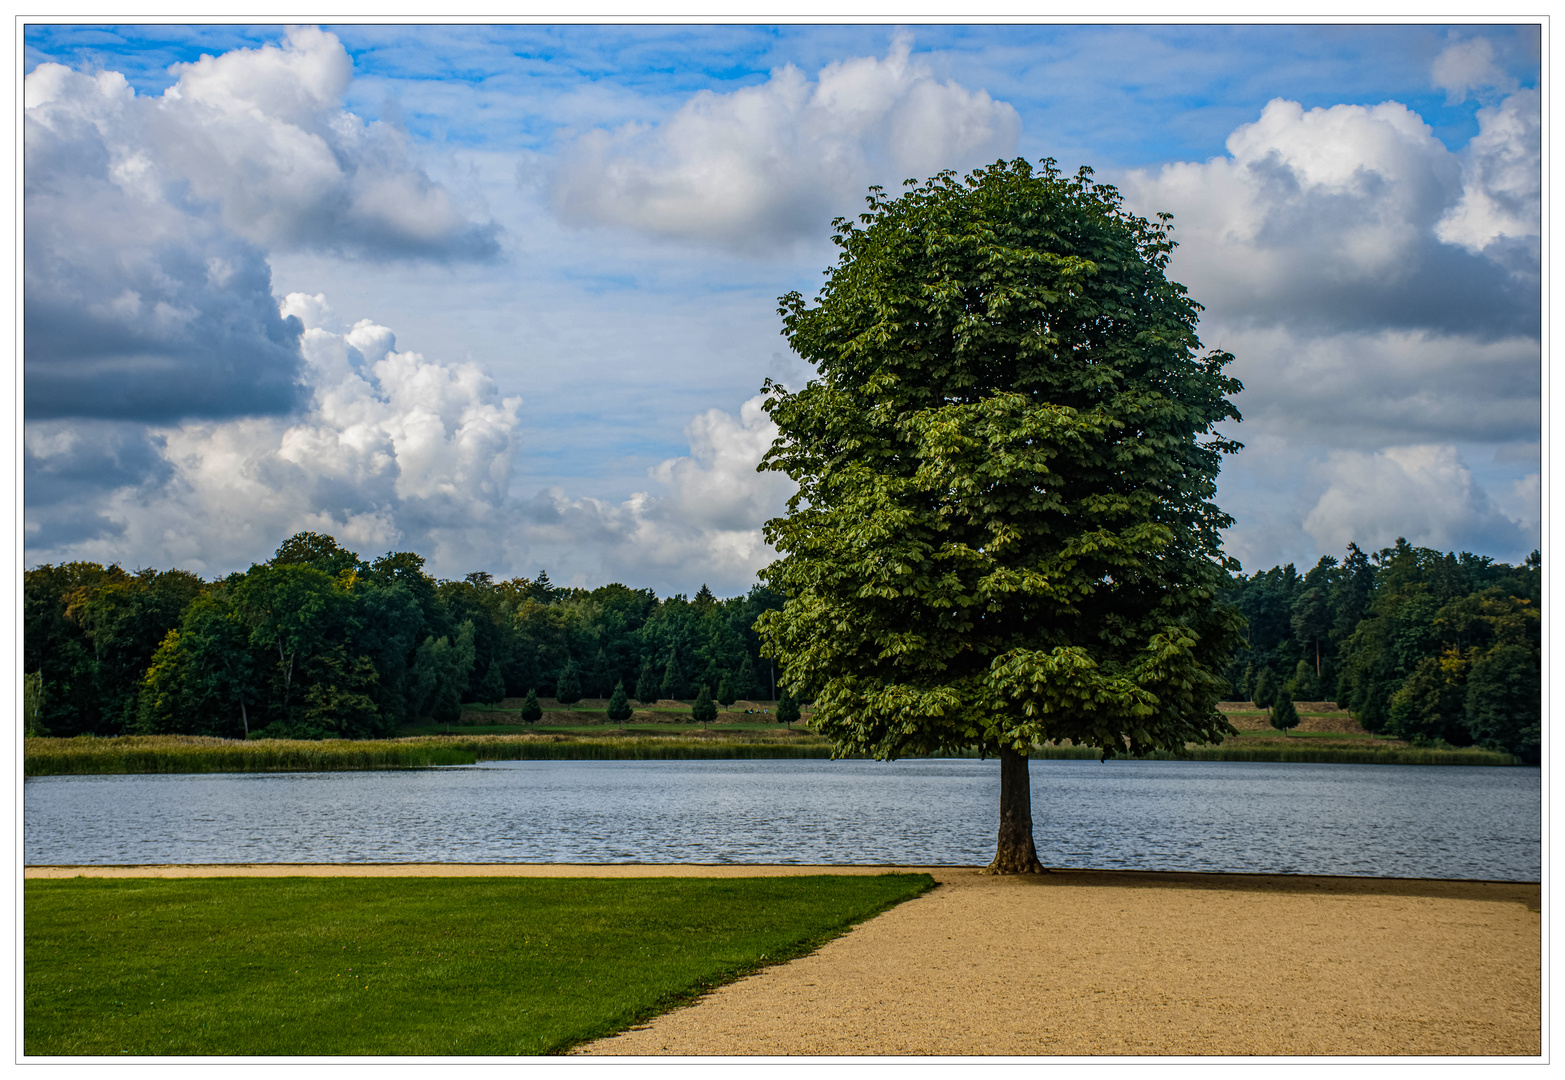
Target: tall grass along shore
{"x":84,"y":756}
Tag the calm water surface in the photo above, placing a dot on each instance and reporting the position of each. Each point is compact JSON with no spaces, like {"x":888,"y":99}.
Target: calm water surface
{"x":1375,"y":820}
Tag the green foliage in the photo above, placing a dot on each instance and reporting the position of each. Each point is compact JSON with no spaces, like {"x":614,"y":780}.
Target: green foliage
{"x":1003,"y":532}
{"x":203,"y":678}
{"x":319,"y":551}
{"x":318,"y":643}
{"x":1431,"y":620}
{"x":1284,"y":717}
{"x":441,"y":669}
{"x":725,"y":690}
{"x":619,"y":705}
{"x":91,"y":632}
{"x":600,"y":678}
{"x":402,"y":966}
{"x":787,"y":709}
{"x":703,"y":711}
{"x":1428,"y":706}
{"x":671,"y":686}
{"x":1265,"y":689}
{"x":646,"y":684}
{"x":34,"y":697}
{"x":532,"y":711}
{"x":492,"y":690}
{"x":1504,"y":701}
{"x":1304,"y":686}
{"x":568,"y":690}
{"x":744,"y":680}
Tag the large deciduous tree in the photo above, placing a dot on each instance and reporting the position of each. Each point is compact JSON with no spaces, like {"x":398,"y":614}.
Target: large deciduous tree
{"x":1004,"y":531}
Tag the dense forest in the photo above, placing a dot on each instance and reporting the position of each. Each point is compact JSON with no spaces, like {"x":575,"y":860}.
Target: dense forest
{"x":317,"y":643}
{"x":1427,"y":646}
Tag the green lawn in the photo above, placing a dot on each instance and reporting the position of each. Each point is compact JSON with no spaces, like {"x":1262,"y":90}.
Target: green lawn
{"x":431,"y":966}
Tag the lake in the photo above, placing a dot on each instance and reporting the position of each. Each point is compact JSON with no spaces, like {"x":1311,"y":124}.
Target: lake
{"x":1465,"y":822}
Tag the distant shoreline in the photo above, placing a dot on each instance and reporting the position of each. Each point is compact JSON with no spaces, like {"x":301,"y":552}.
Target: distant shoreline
{"x":1524,"y":892}
{"x":152,"y":754}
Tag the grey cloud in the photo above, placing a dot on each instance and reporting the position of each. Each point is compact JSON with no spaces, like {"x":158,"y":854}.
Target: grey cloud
{"x":1468,"y":67}
{"x":1371,"y":389}
{"x":147,"y":291}
{"x":69,"y":468}
{"x":388,"y":450}
{"x":135,"y":306}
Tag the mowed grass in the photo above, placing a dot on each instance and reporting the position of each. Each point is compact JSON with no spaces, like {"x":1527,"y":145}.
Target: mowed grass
{"x":402,"y":966}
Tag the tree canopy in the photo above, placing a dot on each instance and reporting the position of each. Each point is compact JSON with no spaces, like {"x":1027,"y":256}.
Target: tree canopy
{"x":1004,"y":531}
{"x":318,"y":643}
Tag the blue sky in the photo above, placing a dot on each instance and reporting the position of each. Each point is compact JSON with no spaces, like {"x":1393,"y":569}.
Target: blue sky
{"x":547,"y":260}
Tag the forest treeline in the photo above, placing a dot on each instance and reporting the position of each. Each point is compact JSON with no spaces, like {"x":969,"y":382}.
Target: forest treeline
{"x":317,"y":643}
{"x":1433,"y":647}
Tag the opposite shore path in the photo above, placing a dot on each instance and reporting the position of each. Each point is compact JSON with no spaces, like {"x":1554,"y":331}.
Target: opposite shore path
{"x":1104,"y":963}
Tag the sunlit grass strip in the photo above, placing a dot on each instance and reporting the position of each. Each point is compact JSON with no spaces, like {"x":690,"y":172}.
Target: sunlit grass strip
{"x":402,"y":966}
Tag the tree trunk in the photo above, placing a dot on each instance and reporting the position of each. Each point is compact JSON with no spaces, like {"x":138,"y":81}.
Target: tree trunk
{"x":1014,"y":853}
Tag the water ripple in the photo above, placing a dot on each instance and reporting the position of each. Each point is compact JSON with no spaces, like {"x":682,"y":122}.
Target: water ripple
{"x":1376,"y":820}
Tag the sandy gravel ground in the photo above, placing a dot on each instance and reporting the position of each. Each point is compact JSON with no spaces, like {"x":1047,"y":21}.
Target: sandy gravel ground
{"x":1103,"y":963}
{"x":1097,"y":963}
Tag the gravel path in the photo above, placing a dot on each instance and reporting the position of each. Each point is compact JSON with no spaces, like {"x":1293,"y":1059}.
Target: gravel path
{"x":1096,"y":963}
{"x":1082,"y":963}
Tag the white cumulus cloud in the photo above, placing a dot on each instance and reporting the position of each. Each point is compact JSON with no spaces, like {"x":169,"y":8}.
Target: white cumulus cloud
{"x":1501,"y":209}
{"x":1424,"y":493}
{"x":706,"y":519}
{"x":770,"y":164}
{"x":1379,"y":293}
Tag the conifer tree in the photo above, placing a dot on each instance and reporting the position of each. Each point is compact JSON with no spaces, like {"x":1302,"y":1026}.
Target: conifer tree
{"x":646,"y":684}
{"x":567,"y":689}
{"x":541,"y":590}
{"x":532,"y":710}
{"x":670,"y":686}
{"x":601,"y":674}
{"x":725,"y":691}
{"x":744,"y":681}
{"x":619,"y":705}
{"x":787,"y":708}
{"x":1265,"y":689}
{"x":704,"y":711}
{"x":1284,"y":716}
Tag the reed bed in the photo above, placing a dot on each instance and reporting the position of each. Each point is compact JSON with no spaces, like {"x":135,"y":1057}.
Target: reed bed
{"x":1341,"y":755}
{"x":194,"y":754}
{"x":583,"y":747}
